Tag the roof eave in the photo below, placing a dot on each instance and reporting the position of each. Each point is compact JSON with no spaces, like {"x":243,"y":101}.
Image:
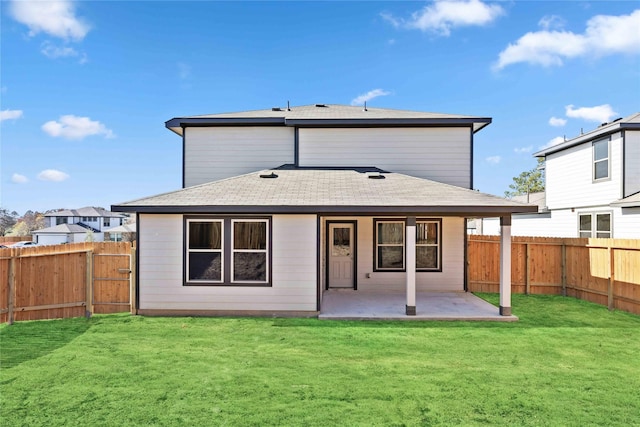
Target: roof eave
{"x":598,"y":133}
{"x":460,"y":210}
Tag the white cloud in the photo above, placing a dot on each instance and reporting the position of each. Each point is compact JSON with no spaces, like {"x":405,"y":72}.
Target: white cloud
{"x":557,"y":121}
{"x":443,"y":15}
{"x":604,"y":35}
{"x":551,"y":22}
{"x":51,"y":51}
{"x":16,"y":178}
{"x":52,"y":175}
{"x":10,"y":115}
{"x":74,"y":127}
{"x":522,"y":150}
{"x":360,"y":99}
{"x":551,"y":143}
{"x":56,"y":18}
{"x":494,"y":160}
{"x":599,"y":113}
{"x":184,"y":70}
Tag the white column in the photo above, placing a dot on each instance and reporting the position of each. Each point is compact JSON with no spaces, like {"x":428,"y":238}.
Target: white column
{"x":410,"y":266}
{"x":505,"y":265}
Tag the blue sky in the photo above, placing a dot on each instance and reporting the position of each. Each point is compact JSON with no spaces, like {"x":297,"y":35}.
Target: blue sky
{"x":87,"y":86}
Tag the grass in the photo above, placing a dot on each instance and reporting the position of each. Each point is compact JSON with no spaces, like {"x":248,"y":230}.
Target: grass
{"x":565,"y":363}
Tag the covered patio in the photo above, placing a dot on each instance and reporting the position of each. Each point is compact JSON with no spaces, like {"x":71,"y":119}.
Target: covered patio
{"x":347,"y":304}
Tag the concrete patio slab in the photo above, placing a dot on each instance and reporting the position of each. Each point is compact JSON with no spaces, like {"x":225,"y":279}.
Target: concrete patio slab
{"x":367,"y":305}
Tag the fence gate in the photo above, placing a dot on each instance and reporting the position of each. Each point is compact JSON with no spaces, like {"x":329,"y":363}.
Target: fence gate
{"x":111,"y":284}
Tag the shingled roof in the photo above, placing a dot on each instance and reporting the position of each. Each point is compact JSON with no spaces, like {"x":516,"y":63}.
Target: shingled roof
{"x":326,"y":191}
{"x":328,"y":115}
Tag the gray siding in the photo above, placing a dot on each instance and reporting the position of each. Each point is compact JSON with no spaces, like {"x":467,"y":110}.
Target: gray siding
{"x":214,"y":153}
{"x":631,"y":162}
{"x":439,"y":154}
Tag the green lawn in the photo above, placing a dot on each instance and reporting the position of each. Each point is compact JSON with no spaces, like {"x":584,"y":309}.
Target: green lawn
{"x":565,"y":363}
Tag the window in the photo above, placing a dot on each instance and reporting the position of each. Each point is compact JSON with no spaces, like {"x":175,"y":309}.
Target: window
{"x":390,"y":245}
{"x":61,"y":220}
{"x":601,"y":159}
{"x":107,"y":222}
{"x":227,"y":251}
{"x":249,"y":252}
{"x":428,"y":245}
{"x":595,"y":225}
{"x":204,"y":247}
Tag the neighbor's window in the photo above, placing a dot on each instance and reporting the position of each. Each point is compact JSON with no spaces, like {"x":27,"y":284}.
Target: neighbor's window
{"x":249,"y":252}
{"x":595,"y":225}
{"x":61,"y":220}
{"x":107,"y":222}
{"x":584,"y":225}
{"x":603,"y":225}
{"x":389,"y":245}
{"x":204,"y":251}
{"x":428,"y":245}
{"x":601,"y":159}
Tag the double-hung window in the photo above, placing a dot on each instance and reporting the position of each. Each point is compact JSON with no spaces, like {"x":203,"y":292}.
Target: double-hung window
{"x":428,"y":245}
{"x":595,"y":225}
{"x":204,"y":251}
{"x":601,"y":159}
{"x":390,"y":245}
{"x":249,"y":252}
{"x":227,"y":251}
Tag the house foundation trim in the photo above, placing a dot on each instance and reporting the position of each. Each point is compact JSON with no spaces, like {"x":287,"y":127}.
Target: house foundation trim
{"x":410,"y":264}
{"x":505,"y":265}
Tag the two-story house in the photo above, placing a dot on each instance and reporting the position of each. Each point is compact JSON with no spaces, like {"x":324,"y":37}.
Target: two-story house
{"x":592,"y":186}
{"x":75,"y":225}
{"x":279,"y":206}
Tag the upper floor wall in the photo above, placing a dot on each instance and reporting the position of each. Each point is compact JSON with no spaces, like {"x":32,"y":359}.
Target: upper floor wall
{"x":575,"y":176}
{"x":442,"y":154}
{"x":214,"y":153}
{"x":631,"y":162}
{"x":439,"y":154}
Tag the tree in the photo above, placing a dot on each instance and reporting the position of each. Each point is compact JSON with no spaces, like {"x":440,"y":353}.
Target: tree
{"x":7,"y":220}
{"x":527,"y":182}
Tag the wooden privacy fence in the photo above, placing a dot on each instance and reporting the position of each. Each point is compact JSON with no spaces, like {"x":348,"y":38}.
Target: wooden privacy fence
{"x":59,"y":281}
{"x":604,"y":271}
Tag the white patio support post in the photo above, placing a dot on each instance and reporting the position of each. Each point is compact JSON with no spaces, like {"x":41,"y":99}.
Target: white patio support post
{"x":410,"y":266}
{"x":505,"y":265}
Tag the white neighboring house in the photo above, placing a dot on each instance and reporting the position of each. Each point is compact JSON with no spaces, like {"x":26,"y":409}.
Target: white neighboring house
{"x":77,"y":225}
{"x":592,"y":186}
{"x":280,"y":205}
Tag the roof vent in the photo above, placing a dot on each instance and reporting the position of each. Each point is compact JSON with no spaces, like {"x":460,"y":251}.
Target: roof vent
{"x":276,"y":109}
{"x":375,"y":175}
{"x":268,"y":175}
{"x":617,"y":120}
{"x":321,"y":105}
{"x":365,"y":106}
{"x":604,"y":124}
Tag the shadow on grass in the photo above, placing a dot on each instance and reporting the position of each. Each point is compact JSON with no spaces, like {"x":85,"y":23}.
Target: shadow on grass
{"x":534,"y":311}
{"x":24,"y":341}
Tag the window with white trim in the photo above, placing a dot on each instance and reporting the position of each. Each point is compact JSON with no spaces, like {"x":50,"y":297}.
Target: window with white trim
{"x":427,"y":245}
{"x":249,"y":252}
{"x":601,"y":159}
{"x":204,"y":251}
{"x":390,"y":245}
{"x":227,"y":251}
{"x":595,"y":225}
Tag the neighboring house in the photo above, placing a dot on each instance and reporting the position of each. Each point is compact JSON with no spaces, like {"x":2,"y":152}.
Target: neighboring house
{"x":491,"y":226}
{"x":126,"y":232}
{"x":280,"y":205}
{"x":77,"y":225}
{"x":592,"y":186}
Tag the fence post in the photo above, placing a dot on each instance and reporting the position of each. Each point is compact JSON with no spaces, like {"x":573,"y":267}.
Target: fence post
{"x":564,"y":269}
{"x":89,"y":285}
{"x":132,"y":281}
{"x":527,"y":282}
{"x":611,"y":277}
{"x":12,"y":287}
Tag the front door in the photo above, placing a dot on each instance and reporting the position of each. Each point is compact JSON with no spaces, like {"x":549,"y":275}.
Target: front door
{"x":341,"y":255}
